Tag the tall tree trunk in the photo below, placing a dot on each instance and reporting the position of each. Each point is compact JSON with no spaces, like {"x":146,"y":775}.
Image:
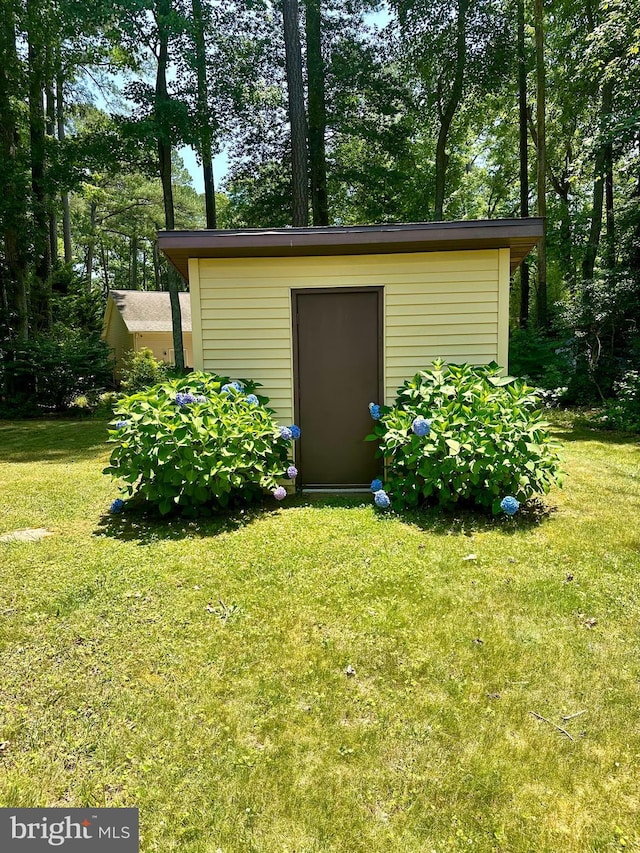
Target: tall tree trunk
{"x":51,"y":132}
{"x":162,"y":102}
{"x":524,"y":160}
{"x":91,"y":247}
{"x":133,"y":266}
{"x":205,"y":136}
{"x":105,"y":270}
{"x":317,"y":113}
{"x":565,"y":249}
{"x":635,"y":243}
{"x":156,"y":266}
{"x":66,"y":212}
{"x":609,"y":211}
{"x":15,"y":227}
{"x":595,"y":227}
{"x":448,"y":112}
{"x":541,"y":291}
{"x":297,"y":119}
{"x":38,"y":154}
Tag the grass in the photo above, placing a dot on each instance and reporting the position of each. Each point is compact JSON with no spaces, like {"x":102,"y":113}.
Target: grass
{"x":197,"y":670}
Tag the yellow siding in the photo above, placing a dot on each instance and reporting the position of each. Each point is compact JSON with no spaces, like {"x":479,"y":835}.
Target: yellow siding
{"x":161,"y":345}
{"x":439,"y":304}
{"x":116,"y":334}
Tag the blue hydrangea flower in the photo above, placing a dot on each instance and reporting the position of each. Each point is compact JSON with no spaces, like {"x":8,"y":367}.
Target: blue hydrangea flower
{"x":122,"y":424}
{"x":296,"y":432}
{"x":117,"y":506}
{"x":286,"y":433}
{"x":421,"y":426}
{"x":381,"y":499}
{"x":183,"y":399}
{"x":374,"y":410}
{"x":252,"y":400}
{"x":509,"y":505}
{"x":280,"y":493}
{"x":235,"y":387}
{"x":376,"y":485}
{"x":201,"y":399}
{"x":292,"y":472}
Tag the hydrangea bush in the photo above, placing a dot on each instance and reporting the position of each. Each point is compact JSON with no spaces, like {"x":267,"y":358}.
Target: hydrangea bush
{"x":464,"y":433}
{"x":199,"y":440}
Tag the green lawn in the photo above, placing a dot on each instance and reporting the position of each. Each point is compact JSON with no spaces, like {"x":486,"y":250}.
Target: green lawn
{"x":197,"y":669}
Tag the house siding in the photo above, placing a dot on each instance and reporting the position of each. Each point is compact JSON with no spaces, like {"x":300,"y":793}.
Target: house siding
{"x":117,"y":335}
{"x":449,"y":305}
{"x":161,"y":345}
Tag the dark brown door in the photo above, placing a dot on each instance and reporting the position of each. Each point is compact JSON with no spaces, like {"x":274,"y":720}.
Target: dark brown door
{"x":337,"y":363}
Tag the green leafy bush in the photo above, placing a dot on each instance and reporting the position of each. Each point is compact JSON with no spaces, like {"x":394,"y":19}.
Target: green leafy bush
{"x":98,"y":404}
{"x":623,"y":412}
{"x":47,"y":373}
{"x":459,"y":433}
{"x":540,"y":359}
{"x":141,"y":369}
{"x":198,"y":441}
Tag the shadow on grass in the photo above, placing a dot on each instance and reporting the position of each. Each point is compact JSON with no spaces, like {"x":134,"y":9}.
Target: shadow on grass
{"x":466,"y":522}
{"x":439,"y":521}
{"x":581,"y":432}
{"x":143,"y":525}
{"x":51,"y":440}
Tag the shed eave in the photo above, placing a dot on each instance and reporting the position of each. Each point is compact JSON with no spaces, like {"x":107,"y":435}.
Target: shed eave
{"x":518,"y":235}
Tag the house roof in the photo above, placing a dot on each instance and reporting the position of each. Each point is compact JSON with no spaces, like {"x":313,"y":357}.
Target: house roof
{"x":149,"y":310}
{"x":518,"y":235}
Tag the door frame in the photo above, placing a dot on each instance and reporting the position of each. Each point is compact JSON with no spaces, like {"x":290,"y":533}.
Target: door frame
{"x":301,"y":291}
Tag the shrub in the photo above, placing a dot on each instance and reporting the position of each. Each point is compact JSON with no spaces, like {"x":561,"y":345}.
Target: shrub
{"x":198,"y":441}
{"x":624,"y":411}
{"x":96,"y":403}
{"x":545,"y":361}
{"x":140,"y":370}
{"x":49,"y":372}
{"x":461,"y":433}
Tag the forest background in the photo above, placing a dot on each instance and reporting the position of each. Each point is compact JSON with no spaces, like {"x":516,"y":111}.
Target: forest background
{"x":324,"y":112}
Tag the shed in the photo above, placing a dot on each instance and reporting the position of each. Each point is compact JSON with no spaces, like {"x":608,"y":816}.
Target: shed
{"x":331,"y":319}
{"x":135,"y":319}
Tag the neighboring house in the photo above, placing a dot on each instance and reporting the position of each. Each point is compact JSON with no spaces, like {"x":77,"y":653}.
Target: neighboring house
{"x":135,"y":319}
{"x":330,"y":319}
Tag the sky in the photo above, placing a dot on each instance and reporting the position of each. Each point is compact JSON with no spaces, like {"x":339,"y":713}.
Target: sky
{"x":220,"y":167}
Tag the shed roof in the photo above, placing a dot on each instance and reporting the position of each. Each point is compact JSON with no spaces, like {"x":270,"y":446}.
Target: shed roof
{"x":150,"y":310}
{"x":518,"y":235}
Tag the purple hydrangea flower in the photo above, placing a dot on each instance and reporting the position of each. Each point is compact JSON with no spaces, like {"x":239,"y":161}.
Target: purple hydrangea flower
{"x":381,"y":499}
{"x":252,"y":400}
{"x":421,"y":426}
{"x":117,"y":506}
{"x":280,"y":493}
{"x":296,"y":432}
{"x":183,"y":399}
{"x":122,"y":424}
{"x":286,"y":433}
{"x":292,"y":472}
{"x":509,"y":505}
{"x":376,"y":485}
{"x":374,"y":410}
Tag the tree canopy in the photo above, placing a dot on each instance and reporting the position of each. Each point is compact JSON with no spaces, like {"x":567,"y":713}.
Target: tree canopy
{"x":331,"y":112}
